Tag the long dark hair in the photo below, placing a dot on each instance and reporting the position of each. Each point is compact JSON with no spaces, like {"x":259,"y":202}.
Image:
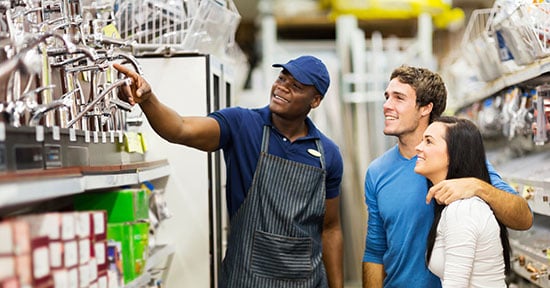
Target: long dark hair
{"x":466,"y":159}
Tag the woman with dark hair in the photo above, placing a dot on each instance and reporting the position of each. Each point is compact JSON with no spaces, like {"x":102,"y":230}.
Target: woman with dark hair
{"x":467,"y":245}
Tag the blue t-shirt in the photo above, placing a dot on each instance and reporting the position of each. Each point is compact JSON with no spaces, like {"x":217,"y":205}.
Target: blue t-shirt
{"x":241,"y":139}
{"x":399,"y":219}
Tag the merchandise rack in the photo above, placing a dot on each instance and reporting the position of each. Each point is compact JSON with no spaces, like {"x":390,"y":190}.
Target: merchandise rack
{"x":19,"y":188}
{"x":527,"y":172}
{"x":30,"y":186}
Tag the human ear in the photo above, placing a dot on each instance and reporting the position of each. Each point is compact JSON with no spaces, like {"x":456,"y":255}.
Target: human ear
{"x":427,"y":109}
{"x":316,"y":101}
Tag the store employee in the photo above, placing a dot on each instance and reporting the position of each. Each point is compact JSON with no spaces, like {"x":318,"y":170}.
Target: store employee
{"x":283,"y":180}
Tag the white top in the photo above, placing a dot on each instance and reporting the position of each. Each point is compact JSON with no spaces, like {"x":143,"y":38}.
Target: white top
{"x":467,"y":250}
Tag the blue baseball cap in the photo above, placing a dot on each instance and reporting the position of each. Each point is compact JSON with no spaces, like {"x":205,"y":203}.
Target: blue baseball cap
{"x":308,"y":70}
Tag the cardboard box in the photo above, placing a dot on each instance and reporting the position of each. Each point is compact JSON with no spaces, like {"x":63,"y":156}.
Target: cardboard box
{"x":100,"y":254}
{"x":44,"y":225}
{"x":99,"y":226}
{"x":56,"y":254}
{"x":127,"y":205}
{"x":83,"y":224}
{"x":70,"y":254}
{"x":60,"y":278}
{"x":68,"y":226}
{"x":7,"y":267}
{"x":6,"y":233}
{"x":133,"y":240}
{"x":40,"y":260}
{"x":9,"y":283}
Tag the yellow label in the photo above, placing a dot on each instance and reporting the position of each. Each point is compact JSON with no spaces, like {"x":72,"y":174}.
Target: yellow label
{"x":132,"y":142}
{"x":143,"y":142}
{"x":110,"y":31}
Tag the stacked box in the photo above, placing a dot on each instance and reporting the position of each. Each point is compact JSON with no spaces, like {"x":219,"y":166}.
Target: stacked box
{"x":129,"y":243}
{"x":15,"y":254}
{"x":127,"y":229}
{"x":127,"y":205}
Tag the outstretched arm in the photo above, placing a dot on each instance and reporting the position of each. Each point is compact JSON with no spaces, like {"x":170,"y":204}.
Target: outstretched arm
{"x":202,"y":133}
{"x":333,"y":244}
{"x":510,"y":209}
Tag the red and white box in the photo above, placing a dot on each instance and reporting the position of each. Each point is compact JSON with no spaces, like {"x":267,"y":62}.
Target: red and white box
{"x":7,"y":267}
{"x":23,"y":269}
{"x":68,"y":225}
{"x":73,"y":277}
{"x":40,"y":260}
{"x":84,"y":250}
{"x":56,"y":254}
{"x":60,"y":278}
{"x":70,"y":254}
{"x":100,"y":255}
{"x":44,"y":225}
{"x":99,"y":225}
{"x":83,"y":224}
{"x":12,"y":282}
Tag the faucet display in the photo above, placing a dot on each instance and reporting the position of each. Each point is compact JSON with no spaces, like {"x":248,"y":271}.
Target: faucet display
{"x":56,"y":72}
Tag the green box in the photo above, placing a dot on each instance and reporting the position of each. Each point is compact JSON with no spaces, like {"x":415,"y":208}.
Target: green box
{"x":127,"y":205}
{"x":133,"y":240}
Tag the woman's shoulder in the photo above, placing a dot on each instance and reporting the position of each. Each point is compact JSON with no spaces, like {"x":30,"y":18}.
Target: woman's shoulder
{"x":473,"y":208}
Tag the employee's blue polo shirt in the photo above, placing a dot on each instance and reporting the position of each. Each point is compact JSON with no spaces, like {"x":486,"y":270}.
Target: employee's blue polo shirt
{"x":241,"y":139}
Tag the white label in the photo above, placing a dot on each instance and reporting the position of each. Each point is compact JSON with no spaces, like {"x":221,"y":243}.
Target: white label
{"x":72,"y":135}
{"x":56,"y":133}
{"x":99,"y":223}
{"x":61,"y":278}
{"x":40,"y":262}
{"x":70,"y":249}
{"x":83,"y":225}
{"x":56,"y":254}
{"x":100,"y":253}
{"x":73,"y":277}
{"x":84,"y":247}
{"x":68,"y":226}
{"x":39,"y":133}
{"x":2,"y":131}
{"x":6,"y":245}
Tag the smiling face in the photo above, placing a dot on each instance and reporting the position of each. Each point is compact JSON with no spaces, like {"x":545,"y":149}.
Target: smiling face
{"x":433,"y":156}
{"x":291,"y":99}
{"x":401,"y":112}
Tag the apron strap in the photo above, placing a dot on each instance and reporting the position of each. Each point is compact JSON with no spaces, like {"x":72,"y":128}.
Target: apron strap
{"x":322,"y":151}
{"x":265,"y":145}
{"x":265,"y":138}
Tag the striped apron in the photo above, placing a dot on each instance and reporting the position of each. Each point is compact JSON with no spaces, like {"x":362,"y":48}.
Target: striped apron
{"x":275,"y":237}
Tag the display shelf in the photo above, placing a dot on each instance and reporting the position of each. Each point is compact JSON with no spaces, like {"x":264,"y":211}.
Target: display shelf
{"x":530,"y":252}
{"x":151,"y":174}
{"x":24,"y":187}
{"x":159,"y":255}
{"x":140,"y":282}
{"x":529,"y":268}
{"x":37,"y":190}
{"x":530,"y":176}
{"x":524,"y":74}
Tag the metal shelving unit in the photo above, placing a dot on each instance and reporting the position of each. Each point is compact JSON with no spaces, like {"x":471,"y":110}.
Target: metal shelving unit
{"x":524,"y":74}
{"x":21,"y":188}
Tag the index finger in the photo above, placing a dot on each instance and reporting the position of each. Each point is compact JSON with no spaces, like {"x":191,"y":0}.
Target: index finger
{"x":122,"y":69}
{"x":430,"y":195}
